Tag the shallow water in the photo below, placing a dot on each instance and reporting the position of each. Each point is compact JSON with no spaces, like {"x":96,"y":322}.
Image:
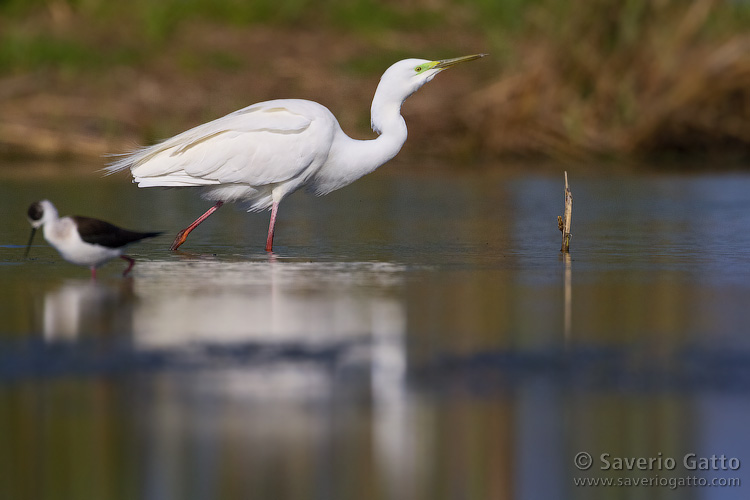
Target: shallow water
{"x":415,"y":335}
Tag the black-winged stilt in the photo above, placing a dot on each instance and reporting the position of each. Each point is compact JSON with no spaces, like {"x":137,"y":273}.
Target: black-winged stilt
{"x":82,"y":240}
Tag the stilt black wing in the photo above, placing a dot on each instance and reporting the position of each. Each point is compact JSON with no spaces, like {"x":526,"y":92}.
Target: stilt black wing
{"x":99,"y":232}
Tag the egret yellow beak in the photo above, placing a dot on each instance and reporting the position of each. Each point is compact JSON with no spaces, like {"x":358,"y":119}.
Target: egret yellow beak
{"x":447,"y":63}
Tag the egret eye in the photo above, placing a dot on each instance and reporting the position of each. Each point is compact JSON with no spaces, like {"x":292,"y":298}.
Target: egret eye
{"x":419,"y":69}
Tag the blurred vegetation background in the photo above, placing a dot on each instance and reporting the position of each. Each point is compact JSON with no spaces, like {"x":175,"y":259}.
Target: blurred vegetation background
{"x":566,"y":79}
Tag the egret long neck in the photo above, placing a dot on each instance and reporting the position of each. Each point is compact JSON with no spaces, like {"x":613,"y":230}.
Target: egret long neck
{"x":349,"y":159}
{"x":392,"y":129}
{"x":352,"y":158}
{"x":387,"y":121}
{"x":367,"y":155}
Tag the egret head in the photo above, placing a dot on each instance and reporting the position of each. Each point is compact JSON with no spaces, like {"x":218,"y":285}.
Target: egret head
{"x":405,"y":77}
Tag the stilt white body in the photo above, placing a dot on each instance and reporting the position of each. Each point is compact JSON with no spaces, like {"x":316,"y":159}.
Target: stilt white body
{"x":63,"y":234}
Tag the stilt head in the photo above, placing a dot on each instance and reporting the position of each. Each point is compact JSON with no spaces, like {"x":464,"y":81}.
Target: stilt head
{"x":39,"y":213}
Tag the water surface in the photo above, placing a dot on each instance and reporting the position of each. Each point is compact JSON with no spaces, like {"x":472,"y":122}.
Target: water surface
{"x":415,"y":335}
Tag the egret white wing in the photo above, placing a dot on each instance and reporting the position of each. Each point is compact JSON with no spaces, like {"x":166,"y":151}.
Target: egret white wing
{"x":262,"y":144}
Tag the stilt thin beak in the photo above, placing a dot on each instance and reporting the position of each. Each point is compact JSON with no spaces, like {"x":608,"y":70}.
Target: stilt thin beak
{"x":28,"y":245}
{"x":447,"y":63}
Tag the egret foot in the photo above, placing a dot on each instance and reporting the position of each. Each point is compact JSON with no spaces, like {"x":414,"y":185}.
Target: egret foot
{"x":182,"y":235}
{"x":179,"y":239}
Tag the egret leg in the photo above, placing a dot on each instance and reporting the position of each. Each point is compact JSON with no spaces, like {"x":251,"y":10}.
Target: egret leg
{"x":271,"y":227}
{"x":131,"y":263}
{"x":182,"y":235}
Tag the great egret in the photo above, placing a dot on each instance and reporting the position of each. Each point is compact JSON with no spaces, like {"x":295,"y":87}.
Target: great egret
{"x":268,"y":150}
{"x":82,"y":240}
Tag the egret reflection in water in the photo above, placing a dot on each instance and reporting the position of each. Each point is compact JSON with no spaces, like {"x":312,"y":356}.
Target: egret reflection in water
{"x":280,"y":334}
{"x":294,"y":321}
{"x":306,"y":303}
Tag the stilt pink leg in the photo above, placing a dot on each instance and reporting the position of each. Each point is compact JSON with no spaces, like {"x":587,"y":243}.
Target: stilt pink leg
{"x":131,"y":263}
{"x":182,"y":235}
{"x":271,"y":227}
{"x":93,"y":273}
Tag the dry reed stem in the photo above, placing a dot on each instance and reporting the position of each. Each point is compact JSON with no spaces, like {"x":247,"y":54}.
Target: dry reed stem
{"x":564,"y":220}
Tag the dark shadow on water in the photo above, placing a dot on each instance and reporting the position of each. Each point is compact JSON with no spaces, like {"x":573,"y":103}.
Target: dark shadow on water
{"x":580,"y":368}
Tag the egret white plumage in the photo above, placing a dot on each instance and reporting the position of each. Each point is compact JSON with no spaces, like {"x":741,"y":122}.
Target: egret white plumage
{"x":84,"y":241}
{"x":268,"y":150}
